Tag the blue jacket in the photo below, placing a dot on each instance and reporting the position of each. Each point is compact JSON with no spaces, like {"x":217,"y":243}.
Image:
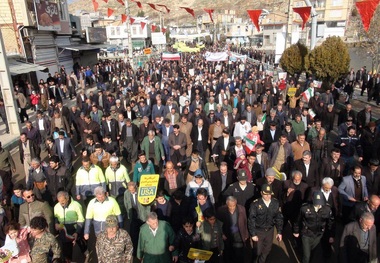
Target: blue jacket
{"x":347,"y":189}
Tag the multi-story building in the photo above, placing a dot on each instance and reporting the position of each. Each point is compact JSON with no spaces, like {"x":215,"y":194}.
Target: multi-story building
{"x":117,"y":33}
{"x":332,"y":16}
{"x":33,"y":28}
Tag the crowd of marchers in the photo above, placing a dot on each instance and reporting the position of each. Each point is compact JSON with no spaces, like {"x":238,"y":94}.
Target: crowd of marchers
{"x":239,"y":160}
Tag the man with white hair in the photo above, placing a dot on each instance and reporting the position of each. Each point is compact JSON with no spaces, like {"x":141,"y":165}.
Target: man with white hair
{"x":117,"y":177}
{"x":358,"y":242}
{"x":330,"y":195}
{"x":97,"y":211}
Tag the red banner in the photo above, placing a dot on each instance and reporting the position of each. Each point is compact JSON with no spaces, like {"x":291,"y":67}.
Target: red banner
{"x":163,"y":30}
{"x":142,"y":25}
{"x":123,"y":18}
{"x":154,"y":28}
{"x":304,"y":13}
{"x":154,"y":7}
{"x":96,"y":5}
{"x":255,"y":15}
{"x":209,"y":12}
{"x":366,"y":10}
{"x":109,"y":12}
{"x":131,"y":20}
{"x":167,"y":9}
{"x":138,"y":4}
{"x":189,"y":10}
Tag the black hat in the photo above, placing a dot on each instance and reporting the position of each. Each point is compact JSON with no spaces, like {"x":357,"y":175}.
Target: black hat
{"x":242,"y":175}
{"x":266,"y":189}
{"x":318,"y":198}
{"x":374,"y":162}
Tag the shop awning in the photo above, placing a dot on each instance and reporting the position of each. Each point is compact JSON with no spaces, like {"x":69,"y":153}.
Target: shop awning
{"x":17,"y":67}
{"x":83,"y":47}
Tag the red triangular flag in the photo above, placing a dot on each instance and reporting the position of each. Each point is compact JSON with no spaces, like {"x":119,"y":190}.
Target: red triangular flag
{"x":96,"y":5}
{"x":366,"y":10}
{"x":138,"y":4}
{"x":304,"y":13}
{"x":109,"y":12}
{"x":254,"y":15}
{"x":105,"y":1}
{"x":167,"y":9}
{"x":120,"y":1}
{"x":131,"y":20}
{"x":154,"y":28}
{"x":163,"y":30}
{"x":123,"y":18}
{"x":189,"y":10}
{"x":154,"y":7}
{"x":210,"y":11}
{"x":142,"y":25}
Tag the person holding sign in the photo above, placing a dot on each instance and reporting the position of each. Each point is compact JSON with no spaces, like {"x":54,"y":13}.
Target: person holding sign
{"x":211,"y":232}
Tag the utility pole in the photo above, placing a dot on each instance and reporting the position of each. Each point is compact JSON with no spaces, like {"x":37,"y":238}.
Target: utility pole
{"x":15,"y":29}
{"x":129,"y":27}
{"x":289,"y":24}
{"x":7,"y":91}
{"x":314,"y":18}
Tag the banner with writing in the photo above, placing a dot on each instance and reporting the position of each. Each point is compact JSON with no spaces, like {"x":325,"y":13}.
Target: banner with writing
{"x":148,"y":188}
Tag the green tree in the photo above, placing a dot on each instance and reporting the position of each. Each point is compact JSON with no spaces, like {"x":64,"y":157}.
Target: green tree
{"x":140,"y":13}
{"x":293,"y":58}
{"x":329,"y":61}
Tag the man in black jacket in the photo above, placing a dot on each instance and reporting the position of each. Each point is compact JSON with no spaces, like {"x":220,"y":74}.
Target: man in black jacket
{"x":313,"y":220}
{"x":219,"y":181}
{"x":129,"y":137}
{"x":264,"y":214}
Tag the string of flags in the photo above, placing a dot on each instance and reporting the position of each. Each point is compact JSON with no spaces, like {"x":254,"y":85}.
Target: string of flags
{"x":366,"y":9}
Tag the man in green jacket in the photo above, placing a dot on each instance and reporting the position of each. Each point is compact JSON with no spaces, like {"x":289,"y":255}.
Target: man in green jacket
{"x":153,"y":148}
{"x":156,"y":241}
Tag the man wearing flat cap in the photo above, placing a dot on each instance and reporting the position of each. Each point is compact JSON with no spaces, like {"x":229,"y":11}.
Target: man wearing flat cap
{"x":264,"y":215}
{"x":114,"y":244}
{"x":314,"y":219}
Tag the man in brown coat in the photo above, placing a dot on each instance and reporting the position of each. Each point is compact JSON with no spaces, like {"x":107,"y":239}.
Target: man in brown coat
{"x":100,"y":157}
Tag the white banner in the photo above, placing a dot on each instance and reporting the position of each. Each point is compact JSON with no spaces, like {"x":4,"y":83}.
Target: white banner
{"x":158,"y":38}
{"x":216,"y":56}
{"x":235,"y":57}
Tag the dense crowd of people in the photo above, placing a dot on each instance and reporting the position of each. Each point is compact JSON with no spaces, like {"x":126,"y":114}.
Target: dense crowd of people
{"x":240,"y":159}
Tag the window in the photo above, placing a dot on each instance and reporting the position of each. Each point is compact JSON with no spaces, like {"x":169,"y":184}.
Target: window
{"x":337,"y":3}
{"x":112,"y":31}
{"x":61,"y":10}
{"x":134,"y":31}
{"x":140,"y":30}
{"x":118,"y":31}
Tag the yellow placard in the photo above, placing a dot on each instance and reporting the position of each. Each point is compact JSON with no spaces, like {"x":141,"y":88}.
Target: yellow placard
{"x":148,"y":188}
{"x":147,"y":51}
{"x":292,"y":92}
{"x":199,"y":254}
